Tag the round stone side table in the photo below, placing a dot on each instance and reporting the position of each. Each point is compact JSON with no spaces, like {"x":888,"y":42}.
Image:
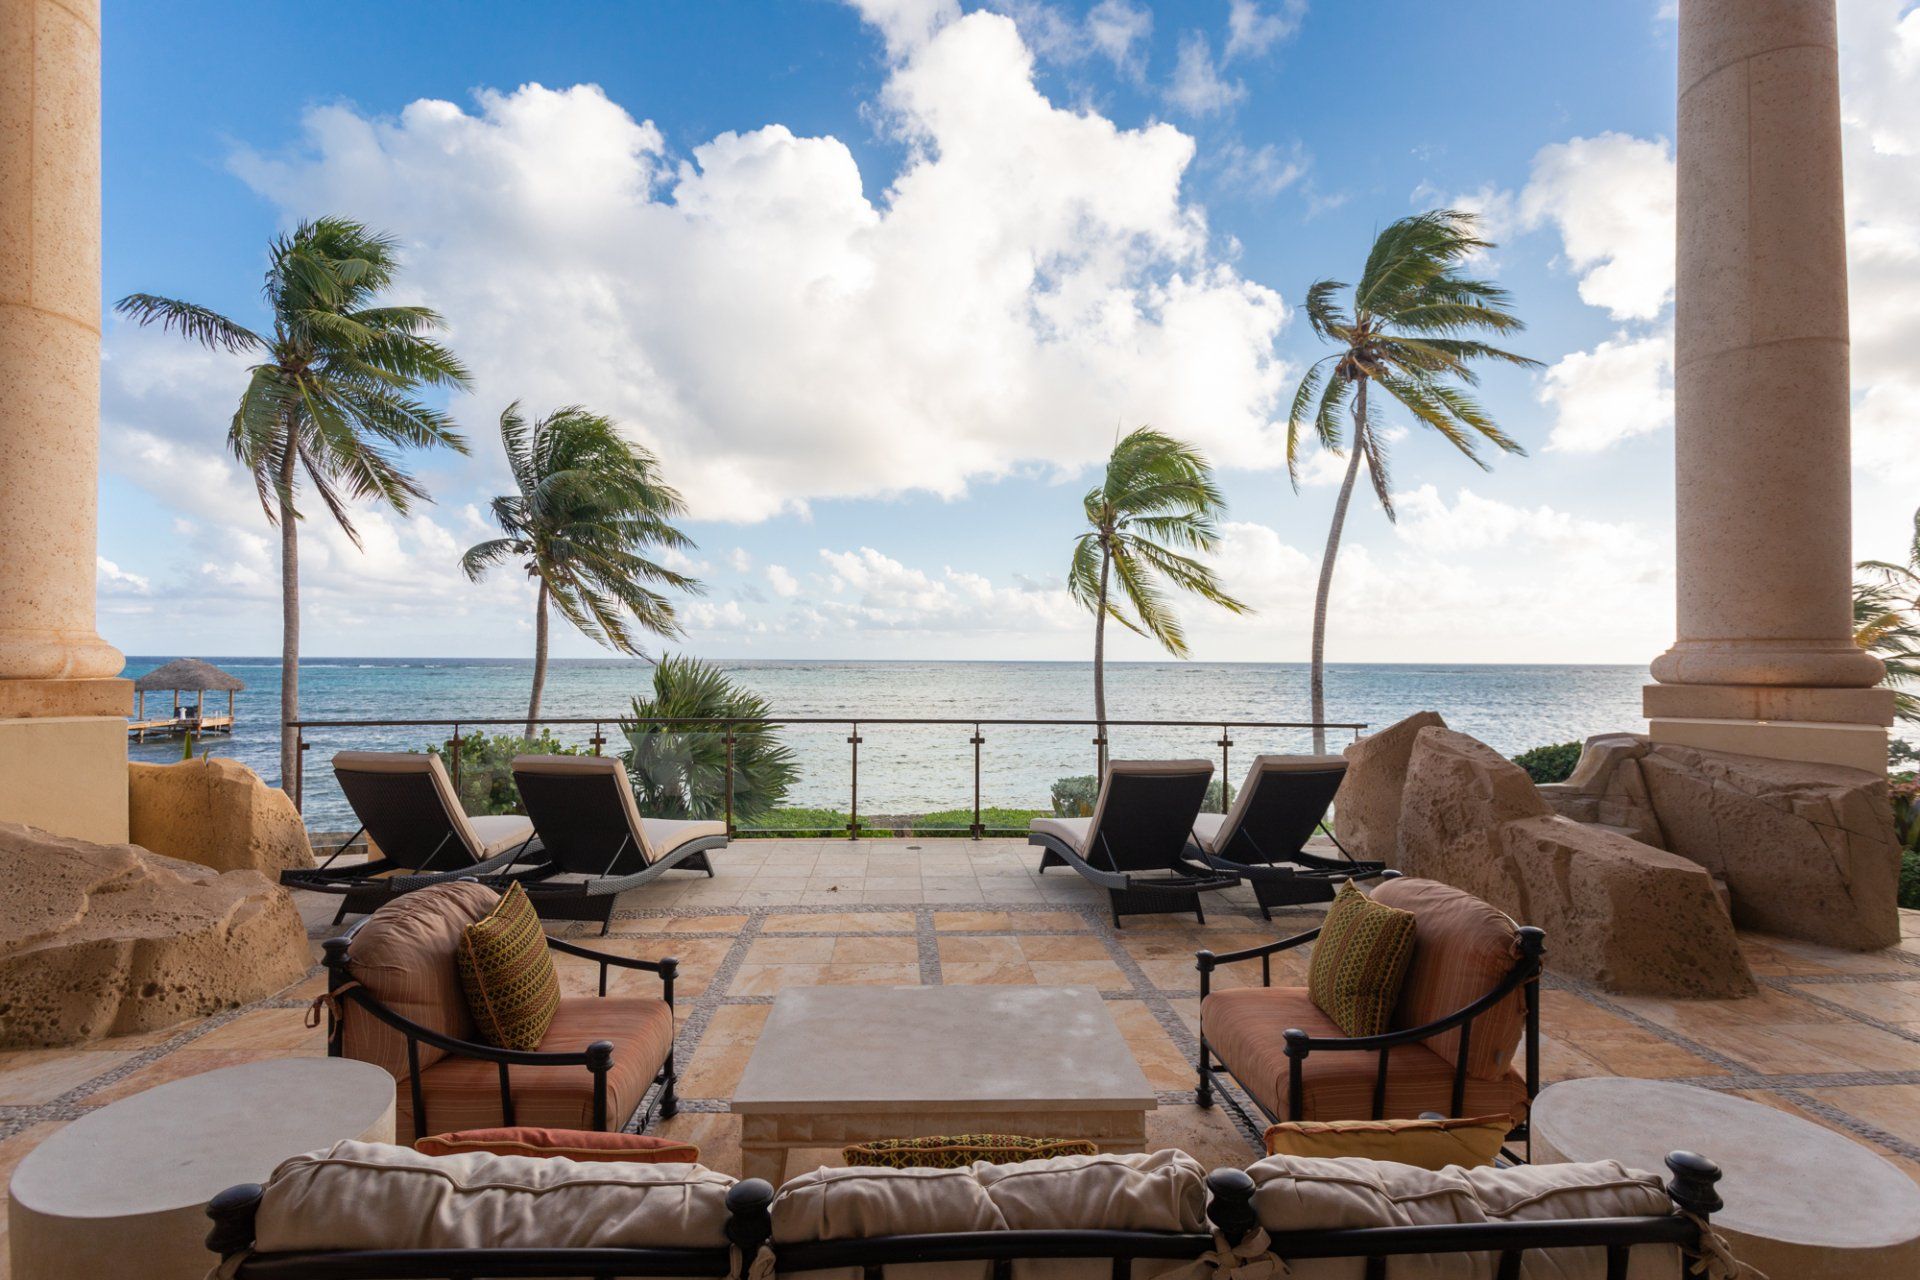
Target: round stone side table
{"x":1803,"y":1202}
{"x":123,"y":1190}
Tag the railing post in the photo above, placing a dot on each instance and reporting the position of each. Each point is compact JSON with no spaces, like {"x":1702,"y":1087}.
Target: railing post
{"x":1226,"y":780}
{"x":729,"y":779}
{"x":853,"y":817}
{"x":299,"y":767}
{"x":453,"y":756}
{"x":599,"y":738}
{"x":978,"y":829}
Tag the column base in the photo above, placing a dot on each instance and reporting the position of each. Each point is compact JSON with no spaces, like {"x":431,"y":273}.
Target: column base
{"x":66,"y":774}
{"x":1769,"y":702}
{"x":1856,"y":746}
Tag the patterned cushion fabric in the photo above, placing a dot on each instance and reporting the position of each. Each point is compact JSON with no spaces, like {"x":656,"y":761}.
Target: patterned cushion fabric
{"x":464,"y":1093}
{"x":1424,"y":1144}
{"x":584,"y":1145}
{"x":958,"y":1152}
{"x":1245,"y":1027}
{"x":509,"y":978}
{"x":1463,"y":948}
{"x":1359,"y":961}
{"x":403,"y":955}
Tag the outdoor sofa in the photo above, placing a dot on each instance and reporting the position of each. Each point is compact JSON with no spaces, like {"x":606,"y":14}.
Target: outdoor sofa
{"x":362,"y":1210}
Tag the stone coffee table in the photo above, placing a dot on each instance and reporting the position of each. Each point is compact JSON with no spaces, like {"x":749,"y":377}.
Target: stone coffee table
{"x":1803,"y":1202}
{"x":839,"y":1065}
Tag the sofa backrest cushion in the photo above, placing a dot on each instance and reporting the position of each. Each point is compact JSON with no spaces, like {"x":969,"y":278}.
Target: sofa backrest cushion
{"x":1297,"y":1194}
{"x":403,"y":955}
{"x":1462,"y":948}
{"x":364,"y":1195}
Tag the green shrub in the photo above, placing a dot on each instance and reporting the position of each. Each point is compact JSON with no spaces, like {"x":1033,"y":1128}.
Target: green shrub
{"x":1906,"y":829}
{"x":1074,"y":797}
{"x":957,"y":822}
{"x":485,"y":771}
{"x":1910,"y":879}
{"x":1550,"y":764}
{"x":680,"y":771}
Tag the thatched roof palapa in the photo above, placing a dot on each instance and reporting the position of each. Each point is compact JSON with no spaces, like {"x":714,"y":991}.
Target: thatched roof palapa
{"x":190,"y":675}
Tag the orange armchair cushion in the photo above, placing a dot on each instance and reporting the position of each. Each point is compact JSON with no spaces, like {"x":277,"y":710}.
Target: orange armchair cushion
{"x":1463,"y":947}
{"x":586,"y":1146}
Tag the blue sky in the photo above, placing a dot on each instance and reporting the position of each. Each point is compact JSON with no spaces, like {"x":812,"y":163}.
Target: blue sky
{"x":879,"y":280}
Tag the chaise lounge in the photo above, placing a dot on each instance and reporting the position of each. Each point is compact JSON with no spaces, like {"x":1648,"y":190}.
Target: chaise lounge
{"x":590,"y":828}
{"x":410,"y":812}
{"x":1134,"y":845}
{"x":1263,"y":836}
{"x":1470,"y":998}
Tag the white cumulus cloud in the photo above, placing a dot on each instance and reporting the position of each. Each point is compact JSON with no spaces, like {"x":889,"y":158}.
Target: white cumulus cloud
{"x":1611,"y":197}
{"x":1621,"y":389}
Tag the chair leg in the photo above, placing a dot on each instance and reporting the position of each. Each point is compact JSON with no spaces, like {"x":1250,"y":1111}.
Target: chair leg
{"x":341,"y":914}
{"x":1203,"y":1095}
{"x":669,"y":1102}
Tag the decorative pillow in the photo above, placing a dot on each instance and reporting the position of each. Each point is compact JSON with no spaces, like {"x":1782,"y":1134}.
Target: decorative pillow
{"x":1424,"y":1144}
{"x":509,"y":978}
{"x":1359,"y":962}
{"x":962,"y":1150}
{"x":585,"y":1146}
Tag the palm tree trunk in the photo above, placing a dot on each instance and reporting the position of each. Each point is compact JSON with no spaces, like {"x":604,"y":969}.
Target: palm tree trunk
{"x":1100,"y":662}
{"x":289,"y":618}
{"x":539,"y":662}
{"x":1318,"y":677}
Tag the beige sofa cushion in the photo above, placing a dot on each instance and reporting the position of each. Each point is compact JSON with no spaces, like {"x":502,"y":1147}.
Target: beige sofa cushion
{"x":364,"y":1195}
{"x":403,"y":955}
{"x":1160,"y":1191}
{"x":1296,"y":1194}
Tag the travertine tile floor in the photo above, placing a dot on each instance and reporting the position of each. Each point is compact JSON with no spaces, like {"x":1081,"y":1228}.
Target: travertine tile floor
{"x":1833,"y":1036}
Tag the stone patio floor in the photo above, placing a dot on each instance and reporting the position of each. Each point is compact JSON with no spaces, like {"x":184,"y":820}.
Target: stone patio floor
{"x":1832,"y":1036}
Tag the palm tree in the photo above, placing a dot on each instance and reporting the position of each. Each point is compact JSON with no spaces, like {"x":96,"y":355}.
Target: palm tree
{"x":1886,"y":621}
{"x":1157,"y":495}
{"x":1409,"y":331}
{"x":331,"y":399}
{"x":683,"y":770}
{"x":589,"y":505}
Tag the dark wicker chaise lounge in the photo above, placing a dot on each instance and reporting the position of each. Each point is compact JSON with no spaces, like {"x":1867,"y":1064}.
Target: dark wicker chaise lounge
{"x":1262,"y":836}
{"x":1134,"y":844}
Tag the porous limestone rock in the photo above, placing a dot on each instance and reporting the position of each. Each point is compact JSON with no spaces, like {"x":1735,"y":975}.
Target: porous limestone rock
{"x":1618,"y":913}
{"x":1807,"y":850}
{"x":1366,"y":809}
{"x":1607,"y":788}
{"x":110,"y":939}
{"x":217,"y":813}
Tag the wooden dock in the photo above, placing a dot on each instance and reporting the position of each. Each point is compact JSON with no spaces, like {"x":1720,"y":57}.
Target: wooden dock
{"x":141,"y":730}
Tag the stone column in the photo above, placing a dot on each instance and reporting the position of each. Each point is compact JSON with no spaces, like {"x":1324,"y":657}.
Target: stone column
{"x":1765,"y":662}
{"x":62,"y":742}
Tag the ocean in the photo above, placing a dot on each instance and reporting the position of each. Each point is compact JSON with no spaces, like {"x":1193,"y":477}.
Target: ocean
{"x":910,"y":769}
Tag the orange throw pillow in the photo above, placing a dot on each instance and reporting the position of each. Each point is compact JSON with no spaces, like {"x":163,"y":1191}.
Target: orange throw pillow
{"x":570,"y":1144}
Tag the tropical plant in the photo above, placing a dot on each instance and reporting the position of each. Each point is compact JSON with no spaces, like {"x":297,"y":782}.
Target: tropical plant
{"x":589,"y":505}
{"x":484,"y":772}
{"x":1886,"y":621}
{"x":681,"y":768}
{"x":332,"y":398}
{"x":1409,"y":328}
{"x":1156,"y":501}
{"x":1552,"y":763}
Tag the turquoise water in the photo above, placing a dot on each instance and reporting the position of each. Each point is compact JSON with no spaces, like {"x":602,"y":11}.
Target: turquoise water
{"x":915,"y":769}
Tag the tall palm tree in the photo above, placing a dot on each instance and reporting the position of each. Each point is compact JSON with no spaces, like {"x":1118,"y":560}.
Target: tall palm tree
{"x":1886,"y":621}
{"x":331,"y":399}
{"x":1410,"y":330}
{"x":589,"y":505}
{"x":1156,"y":500}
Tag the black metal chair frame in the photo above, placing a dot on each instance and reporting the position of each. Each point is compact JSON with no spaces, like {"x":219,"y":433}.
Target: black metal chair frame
{"x":596,"y":1057}
{"x":1292,"y":877}
{"x":1523,"y":976}
{"x":749,"y":1228}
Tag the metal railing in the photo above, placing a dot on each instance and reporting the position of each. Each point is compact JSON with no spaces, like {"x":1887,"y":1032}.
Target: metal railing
{"x":730,"y":727}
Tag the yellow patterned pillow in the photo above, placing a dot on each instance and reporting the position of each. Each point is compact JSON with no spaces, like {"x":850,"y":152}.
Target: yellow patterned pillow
{"x":962,"y":1150}
{"x":1359,"y":962}
{"x":507,"y":974}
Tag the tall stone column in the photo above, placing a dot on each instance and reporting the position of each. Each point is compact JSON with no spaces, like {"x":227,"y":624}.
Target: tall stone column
{"x":62,"y":732}
{"x":1765,"y":662}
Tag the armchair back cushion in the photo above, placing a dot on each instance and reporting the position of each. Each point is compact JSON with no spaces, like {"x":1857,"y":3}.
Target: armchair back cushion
{"x":1299,"y":1194}
{"x":364,"y":1195}
{"x":403,"y":955}
{"x":1463,"y":947}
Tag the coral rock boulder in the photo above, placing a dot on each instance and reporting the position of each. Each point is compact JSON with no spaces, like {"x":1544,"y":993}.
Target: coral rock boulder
{"x":216,"y":813}
{"x":1366,"y":810}
{"x":1617,"y":913}
{"x":101,"y":940}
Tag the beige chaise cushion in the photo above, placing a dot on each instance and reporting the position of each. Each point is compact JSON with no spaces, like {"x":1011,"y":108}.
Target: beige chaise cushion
{"x":1208,"y":827}
{"x":1296,"y":1194}
{"x":403,"y":955}
{"x":1077,"y":831}
{"x":484,"y":837}
{"x":657,"y":837}
{"x":362,"y":1195}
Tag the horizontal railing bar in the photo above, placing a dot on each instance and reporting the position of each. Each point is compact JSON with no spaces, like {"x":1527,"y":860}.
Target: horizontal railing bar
{"x":727,"y":722}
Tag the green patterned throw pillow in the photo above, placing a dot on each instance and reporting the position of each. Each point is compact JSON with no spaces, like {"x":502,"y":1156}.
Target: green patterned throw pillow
{"x":961,"y":1150}
{"x":507,"y":974}
{"x":1359,"y":962}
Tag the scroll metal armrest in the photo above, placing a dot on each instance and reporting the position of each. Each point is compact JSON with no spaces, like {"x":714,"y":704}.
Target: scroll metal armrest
{"x":1527,"y":970}
{"x":668,"y":967}
{"x":1215,"y":959}
{"x":593,"y":1057}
